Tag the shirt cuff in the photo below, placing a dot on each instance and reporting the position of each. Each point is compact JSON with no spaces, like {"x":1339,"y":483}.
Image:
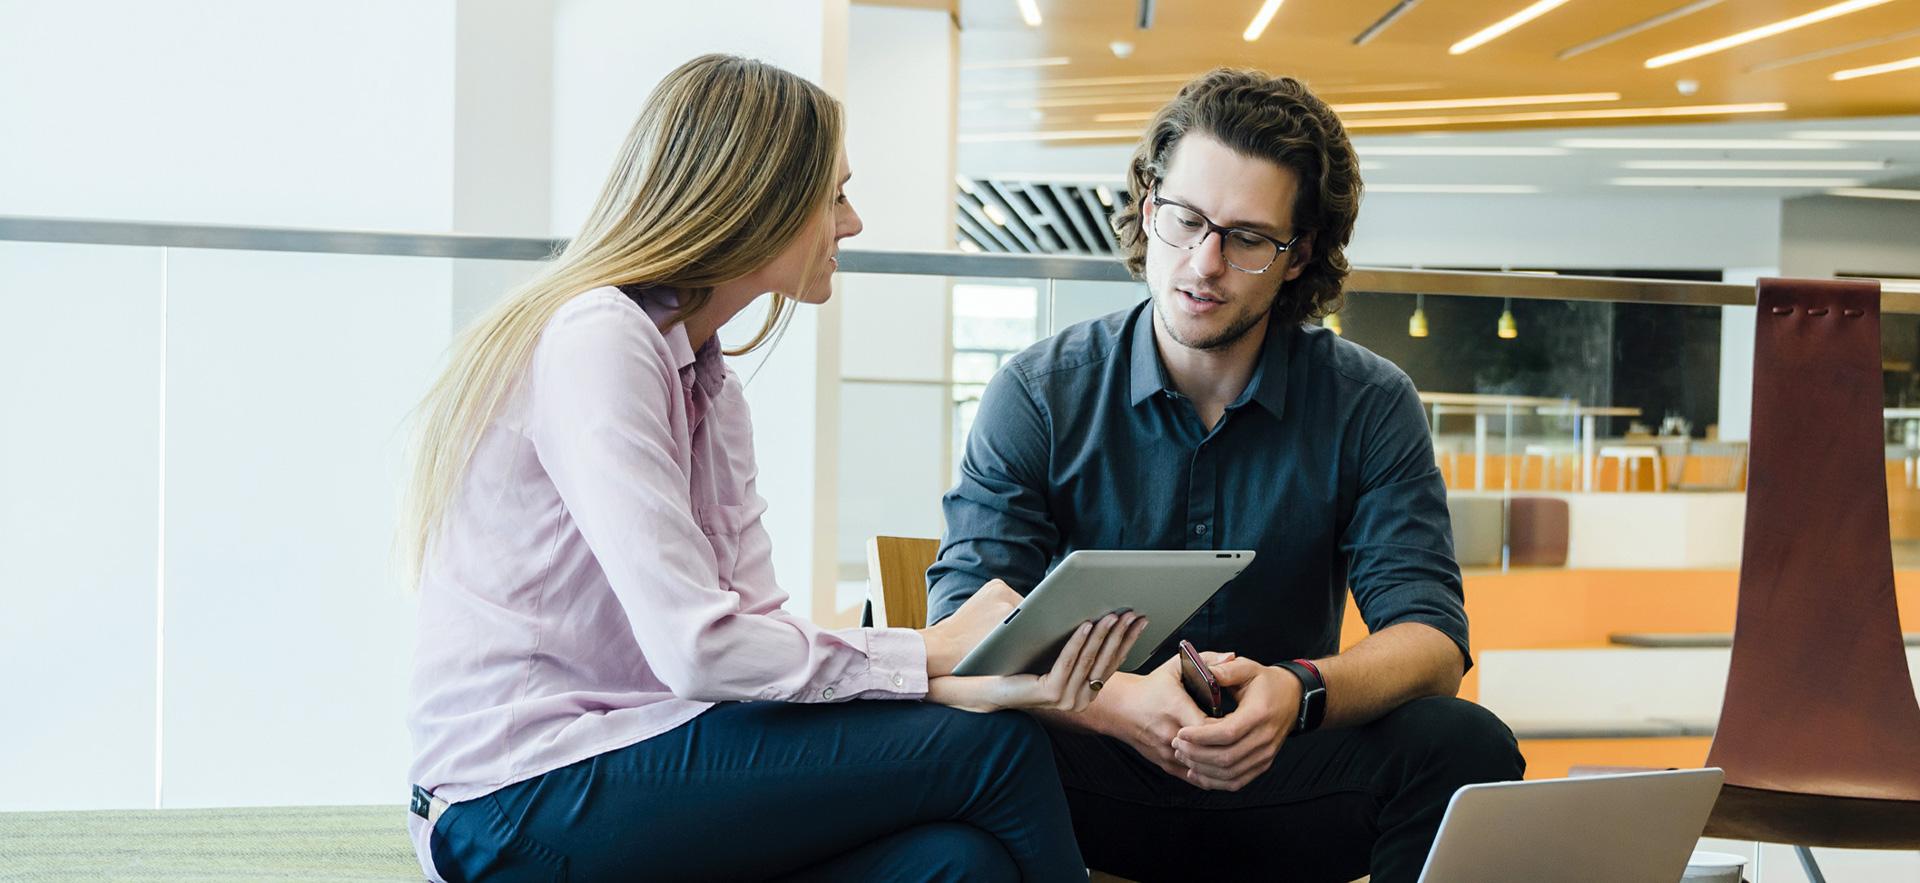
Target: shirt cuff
{"x":896,"y":665}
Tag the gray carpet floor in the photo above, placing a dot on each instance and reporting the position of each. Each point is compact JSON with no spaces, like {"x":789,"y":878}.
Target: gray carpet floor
{"x":313,"y":843}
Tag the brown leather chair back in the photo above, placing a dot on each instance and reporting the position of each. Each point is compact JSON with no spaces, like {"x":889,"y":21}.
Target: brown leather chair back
{"x":1819,"y":700}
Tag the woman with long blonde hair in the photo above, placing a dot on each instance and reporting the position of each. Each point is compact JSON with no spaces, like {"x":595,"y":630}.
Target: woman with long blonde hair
{"x":605,"y":684}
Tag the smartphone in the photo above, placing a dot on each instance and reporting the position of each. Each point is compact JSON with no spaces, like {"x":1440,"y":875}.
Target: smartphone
{"x":1201,"y":683}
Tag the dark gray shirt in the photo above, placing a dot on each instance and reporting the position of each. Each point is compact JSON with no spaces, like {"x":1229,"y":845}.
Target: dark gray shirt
{"x":1323,"y":466}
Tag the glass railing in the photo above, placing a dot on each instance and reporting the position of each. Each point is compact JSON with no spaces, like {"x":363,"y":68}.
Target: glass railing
{"x":205,"y":427}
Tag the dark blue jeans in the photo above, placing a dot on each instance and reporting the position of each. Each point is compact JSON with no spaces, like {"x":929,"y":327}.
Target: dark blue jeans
{"x":1336,"y":804}
{"x":878,"y":790}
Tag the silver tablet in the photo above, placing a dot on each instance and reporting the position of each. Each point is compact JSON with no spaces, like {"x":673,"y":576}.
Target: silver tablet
{"x":1167,"y":587}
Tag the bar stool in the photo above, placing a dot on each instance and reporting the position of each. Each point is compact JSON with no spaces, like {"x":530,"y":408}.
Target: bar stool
{"x":1629,"y":458}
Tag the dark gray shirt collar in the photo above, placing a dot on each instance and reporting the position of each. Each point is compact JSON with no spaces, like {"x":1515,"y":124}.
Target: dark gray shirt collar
{"x":1268,"y":386}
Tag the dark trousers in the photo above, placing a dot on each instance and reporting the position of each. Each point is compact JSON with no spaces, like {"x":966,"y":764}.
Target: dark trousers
{"x":874,"y":790}
{"x":1336,"y":805}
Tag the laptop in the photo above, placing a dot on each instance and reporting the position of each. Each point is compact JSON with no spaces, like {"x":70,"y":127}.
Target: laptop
{"x":1621,"y":828}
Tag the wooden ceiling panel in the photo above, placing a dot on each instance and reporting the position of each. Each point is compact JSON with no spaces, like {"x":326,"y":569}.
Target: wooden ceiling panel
{"x":1409,"y":60}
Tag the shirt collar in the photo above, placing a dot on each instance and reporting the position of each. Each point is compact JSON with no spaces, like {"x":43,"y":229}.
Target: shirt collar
{"x":1267,"y":387}
{"x":706,"y":367}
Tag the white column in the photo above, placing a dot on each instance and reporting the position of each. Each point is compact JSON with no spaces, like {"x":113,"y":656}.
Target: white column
{"x":608,"y":55}
{"x":896,"y":421}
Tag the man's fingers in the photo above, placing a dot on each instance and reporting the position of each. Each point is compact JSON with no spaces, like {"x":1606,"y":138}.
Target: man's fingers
{"x":1236,"y":671}
{"x":1216,"y":731}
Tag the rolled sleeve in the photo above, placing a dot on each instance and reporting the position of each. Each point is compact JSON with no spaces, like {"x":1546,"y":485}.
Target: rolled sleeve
{"x":1399,"y":542}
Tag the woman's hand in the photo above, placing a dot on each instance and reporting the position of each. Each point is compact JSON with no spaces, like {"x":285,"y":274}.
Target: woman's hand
{"x":1091,"y":656}
{"x":951,"y":639}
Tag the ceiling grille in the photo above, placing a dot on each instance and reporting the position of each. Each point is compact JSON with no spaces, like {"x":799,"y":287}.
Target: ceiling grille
{"x":1036,"y":217}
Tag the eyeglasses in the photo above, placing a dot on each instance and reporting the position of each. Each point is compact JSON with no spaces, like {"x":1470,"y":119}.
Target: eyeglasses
{"x":1248,"y":251}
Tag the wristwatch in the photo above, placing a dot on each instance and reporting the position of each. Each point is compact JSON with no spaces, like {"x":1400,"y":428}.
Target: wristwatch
{"x":1313,"y":695}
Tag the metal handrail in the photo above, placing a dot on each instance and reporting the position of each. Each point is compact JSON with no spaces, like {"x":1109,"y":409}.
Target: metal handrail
{"x":1529,"y":286}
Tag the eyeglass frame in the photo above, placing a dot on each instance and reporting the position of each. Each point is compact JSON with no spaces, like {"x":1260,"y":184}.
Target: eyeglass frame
{"x":1279,"y":248}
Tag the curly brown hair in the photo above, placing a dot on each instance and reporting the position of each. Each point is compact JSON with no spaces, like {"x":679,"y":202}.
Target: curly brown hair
{"x":1274,"y":118}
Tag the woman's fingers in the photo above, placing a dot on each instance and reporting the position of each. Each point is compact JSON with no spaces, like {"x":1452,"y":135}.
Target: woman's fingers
{"x":1118,"y":646}
{"x":1079,"y":690}
{"x":1053,"y":686}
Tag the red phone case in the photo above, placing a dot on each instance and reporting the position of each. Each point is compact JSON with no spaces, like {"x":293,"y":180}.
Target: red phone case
{"x":1200,"y":681}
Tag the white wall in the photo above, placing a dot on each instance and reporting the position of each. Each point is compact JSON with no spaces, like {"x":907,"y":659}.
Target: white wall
{"x":1550,"y":230}
{"x":894,"y":449}
{"x":1825,"y":235}
{"x":229,"y":111}
{"x":79,"y":523}
{"x":279,"y":673}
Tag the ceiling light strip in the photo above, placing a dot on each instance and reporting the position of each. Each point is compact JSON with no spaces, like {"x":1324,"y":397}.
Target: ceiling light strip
{"x":1460,"y":150}
{"x":1875,"y":69}
{"x":1017,"y":64}
{"x":1065,"y":135}
{"x":1736,"y":182}
{"x":1633,"y":29}
{"x":1561,"y":115}
{"x":1453,"y":188}
{"x":1501,"y":27}
{"x":1373,"y":30}
{"x":1260,"y":20}
{"x":1696,"y":144}
{"x":1030,"y":12}
{"x":1829,"y":53}
{"x":1860,"y":135}
{"x":1756,"y":165}
{"x":1875,"y":193}
{"x":1762,"y":32}
{"x":1080,"y":82}
{"x":1459,"y":103}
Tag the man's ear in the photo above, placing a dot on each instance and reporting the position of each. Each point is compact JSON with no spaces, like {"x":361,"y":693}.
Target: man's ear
{"x":1298,"y":257}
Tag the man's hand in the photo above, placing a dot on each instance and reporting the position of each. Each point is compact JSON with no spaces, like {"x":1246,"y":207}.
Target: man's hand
{"x":1224,"y":754}
{"x":1145,"y":711}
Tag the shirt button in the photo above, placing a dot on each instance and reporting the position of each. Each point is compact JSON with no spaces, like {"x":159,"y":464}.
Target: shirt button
{"x":899,"y":681}
{"x":1200,"y":530}
{"x":827,"y":693}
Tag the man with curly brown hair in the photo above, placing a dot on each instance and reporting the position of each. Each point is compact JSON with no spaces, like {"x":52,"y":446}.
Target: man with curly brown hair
{"x":1214,"y":415}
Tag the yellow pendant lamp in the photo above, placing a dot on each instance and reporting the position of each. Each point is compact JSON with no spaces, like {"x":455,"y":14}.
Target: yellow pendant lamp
{"x":1417,"y":326}
{"x":1332,"y":323}
{"x":1507,"y":329}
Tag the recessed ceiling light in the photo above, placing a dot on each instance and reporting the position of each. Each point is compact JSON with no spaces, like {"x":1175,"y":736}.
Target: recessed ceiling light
{"x":1017,"y":64}
{"x":994,"y":214}
{"x":1737,"y":182}
{"x":1260,"y":20}
{"x":1452,"y":188}
{"x":1756,"y":165}
{"x":1762,"y":32}
{"x":1696,"y":144}
{"x":1863,"y":135}
{"x":1554,"y":115}
{"x":1053,"y":178}
{"x":1459,"y":103}
{"x":1461,"y":150}
{"x":1367,"y":166}
{"x":1854,"y":73}
{"x":1875,"y":193}
{"x":1504,"y":25}
{"x":1030,"y":12}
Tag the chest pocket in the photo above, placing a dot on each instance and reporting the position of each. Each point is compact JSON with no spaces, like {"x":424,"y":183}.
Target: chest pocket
{"x":722,"y":523}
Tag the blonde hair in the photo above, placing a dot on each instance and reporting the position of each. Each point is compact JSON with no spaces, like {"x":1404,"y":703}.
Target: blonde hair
{"x":728,"y":163}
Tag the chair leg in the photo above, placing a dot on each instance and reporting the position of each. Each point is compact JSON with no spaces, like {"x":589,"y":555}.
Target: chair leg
{"x":1809,"y":865}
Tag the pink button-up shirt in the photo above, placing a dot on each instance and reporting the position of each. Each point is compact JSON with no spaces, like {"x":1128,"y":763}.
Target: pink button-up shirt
{"x":602,"y":575}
